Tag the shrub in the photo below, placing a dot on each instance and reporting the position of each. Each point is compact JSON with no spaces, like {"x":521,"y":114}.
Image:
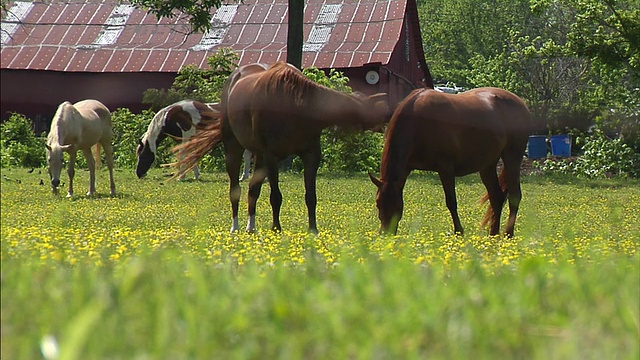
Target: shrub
{"x":344,"y":151}
{"x":19,"y":145}
{"x":605,"y":157}
{"x":128,"y":129}
{"x":601,"y":157}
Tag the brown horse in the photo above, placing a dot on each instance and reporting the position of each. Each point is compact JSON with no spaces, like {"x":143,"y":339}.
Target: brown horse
{"x":455,"y":135}
{"x":276,"y":113}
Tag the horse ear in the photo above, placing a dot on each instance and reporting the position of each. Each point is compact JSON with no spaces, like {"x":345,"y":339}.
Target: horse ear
{"x":375,"y":180}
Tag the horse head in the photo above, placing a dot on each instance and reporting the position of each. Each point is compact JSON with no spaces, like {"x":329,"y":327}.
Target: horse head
{"x":146,"y":156}
{"x":390,"y":204}
{"x":55,"y":158}
{"x":377,"y":111}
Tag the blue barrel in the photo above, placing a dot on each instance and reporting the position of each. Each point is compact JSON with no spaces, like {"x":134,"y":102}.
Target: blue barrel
{"x":561,"y":145}
{"x":537,"y":146}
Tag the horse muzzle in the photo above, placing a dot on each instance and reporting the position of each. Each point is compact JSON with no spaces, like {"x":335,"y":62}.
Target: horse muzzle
{"x":55,"y":183}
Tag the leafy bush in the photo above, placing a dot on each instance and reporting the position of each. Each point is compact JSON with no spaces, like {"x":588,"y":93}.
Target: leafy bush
{"x":342,"y":151}
{"x":128,"y":129}
{"x":19,"y":144}
{"x":607,"y":157}
{"x":601,"y":157}
{"x":194,"y":83}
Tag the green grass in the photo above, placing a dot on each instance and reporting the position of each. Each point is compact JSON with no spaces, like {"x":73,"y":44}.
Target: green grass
{"x":154,"y":274}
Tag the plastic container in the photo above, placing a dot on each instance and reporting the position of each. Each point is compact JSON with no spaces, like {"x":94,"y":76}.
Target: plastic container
{"x":561,"y":145}
{"x":537,"y":146}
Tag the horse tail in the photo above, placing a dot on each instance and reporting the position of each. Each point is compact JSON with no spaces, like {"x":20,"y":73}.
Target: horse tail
{"x":96,"y":155}
{"x":502,"y":180}
{"x":205,"y":139}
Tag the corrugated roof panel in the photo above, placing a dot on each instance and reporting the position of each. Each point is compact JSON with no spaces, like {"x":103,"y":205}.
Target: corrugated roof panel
{"x":15,"y":15}
{"x":24,"y":57}
{"x":8,"y":55}
{"x":99,"y":60}
{"x":156,"y":59}
{"x":42,"y":57}
{"x":114,"y":25}
{"x":194,"y":58}
{"x":119,"y":60}
{"x":219,"y":25}
{"x":174,"y":60}
{"x":61,"y":58}
{"x":137,"y":60}
{"x":338,"y":27}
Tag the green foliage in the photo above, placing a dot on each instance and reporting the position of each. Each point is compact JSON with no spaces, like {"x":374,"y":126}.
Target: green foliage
{"x":343,"y":151}
{"x":19,"y":144}
{"x":198,"y":12}
{"x":572,"y":61}
{"x":601,"y":157}
{"x":128,"y":129}
{"x":193,"y":83}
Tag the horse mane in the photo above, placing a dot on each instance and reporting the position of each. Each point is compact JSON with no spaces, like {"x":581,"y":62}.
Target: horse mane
{"x":284,"y":79}
{"x":403,"y":109}
{"x":53,"y":138}
{"x":157,"y":123}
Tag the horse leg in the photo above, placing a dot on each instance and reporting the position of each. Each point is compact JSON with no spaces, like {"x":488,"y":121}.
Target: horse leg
{"x":275,"y":197}
{"x":196,"y":172}
{"x":496,"y":197}
{"x":232,"y":159}
{"x":255,"y":187}
{"x":71,"y":171}
{"x":311,"y":162}
{"x":247,"y":155}
{"x":512,"y":177}
{"x":448,"y":181}
{"x":108,"y":152}
{"x":91,"y":164}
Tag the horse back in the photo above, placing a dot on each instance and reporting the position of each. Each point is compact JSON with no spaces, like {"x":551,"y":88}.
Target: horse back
{"x":95,"y":122}
{"x":466,"y":131}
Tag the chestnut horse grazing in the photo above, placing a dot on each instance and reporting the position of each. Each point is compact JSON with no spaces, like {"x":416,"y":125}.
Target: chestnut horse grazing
{"x":179,"y":121}
{"x":79,"y":127}
{"x":455,"y":135}
{"x":276,"y":113}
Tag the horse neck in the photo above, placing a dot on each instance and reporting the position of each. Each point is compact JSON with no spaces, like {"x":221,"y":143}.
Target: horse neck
{"x":338,"y":108}
{"x":395,"y":156}
{"x":59,"y":125}
{"x":155,"y":128}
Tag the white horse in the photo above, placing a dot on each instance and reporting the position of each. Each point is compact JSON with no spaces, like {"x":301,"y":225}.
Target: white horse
{"x":178,"y":121}
{"x":79,"y":127}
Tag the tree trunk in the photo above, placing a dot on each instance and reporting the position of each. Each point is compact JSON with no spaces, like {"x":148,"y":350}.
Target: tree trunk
{"x":295,"y":33}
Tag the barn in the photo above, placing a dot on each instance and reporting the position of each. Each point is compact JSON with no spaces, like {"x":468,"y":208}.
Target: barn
{"x":108,"y":50}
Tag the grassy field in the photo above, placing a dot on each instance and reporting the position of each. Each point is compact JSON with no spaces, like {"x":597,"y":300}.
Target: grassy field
{"x":154,"y":274}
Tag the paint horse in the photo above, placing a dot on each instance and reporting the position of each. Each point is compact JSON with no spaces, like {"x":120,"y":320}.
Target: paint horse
{"x":455,"y":135}
{"x":79,"y":127}
{"x":179,"y":121}
{"x":276,"y":113}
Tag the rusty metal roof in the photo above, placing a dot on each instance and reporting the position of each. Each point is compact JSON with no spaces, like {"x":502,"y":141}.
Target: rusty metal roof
{"x":109,"y":36}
